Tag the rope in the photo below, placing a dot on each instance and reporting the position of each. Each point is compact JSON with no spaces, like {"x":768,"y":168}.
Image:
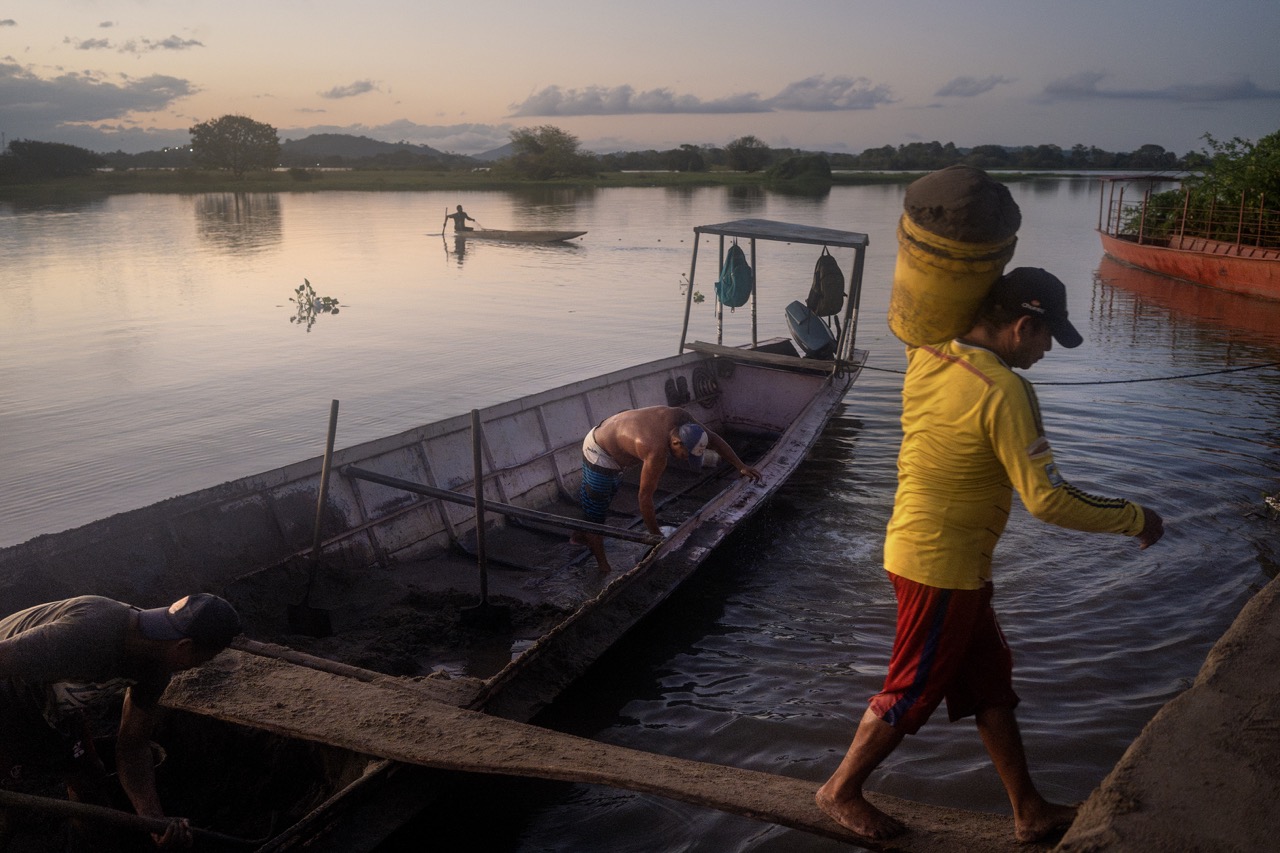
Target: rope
{"x":1125,"y":381}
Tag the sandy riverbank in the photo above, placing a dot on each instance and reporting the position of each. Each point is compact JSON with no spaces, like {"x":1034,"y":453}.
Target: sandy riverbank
{"x":1204,"y":774}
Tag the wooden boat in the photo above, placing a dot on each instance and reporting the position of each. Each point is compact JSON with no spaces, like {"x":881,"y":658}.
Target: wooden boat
{"x":441,"y":554}
{"x":1236,"y":250}
{"x":544,"y":236}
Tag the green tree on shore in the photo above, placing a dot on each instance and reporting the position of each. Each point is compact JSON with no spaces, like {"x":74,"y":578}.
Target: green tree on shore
{"x":1238,"y":166}
{"x":236,"y":143}
{"x":747,"y":154}
{"x":547,"y":152}
{"x":29,"y":160}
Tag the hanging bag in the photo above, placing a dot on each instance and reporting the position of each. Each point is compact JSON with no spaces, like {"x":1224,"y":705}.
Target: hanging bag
{"x":736,"y":281}
{"x":826,"y":296}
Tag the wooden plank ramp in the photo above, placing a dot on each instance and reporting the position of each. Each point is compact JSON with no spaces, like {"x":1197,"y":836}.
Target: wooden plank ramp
{"x":399,"y":720}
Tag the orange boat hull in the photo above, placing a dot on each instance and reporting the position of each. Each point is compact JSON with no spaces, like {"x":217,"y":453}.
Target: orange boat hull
{"x":1252,"y":272}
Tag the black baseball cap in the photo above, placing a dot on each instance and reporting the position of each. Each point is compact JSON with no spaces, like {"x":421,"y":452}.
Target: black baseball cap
{"x":1037,"y":293}
{"x":204,"y":618}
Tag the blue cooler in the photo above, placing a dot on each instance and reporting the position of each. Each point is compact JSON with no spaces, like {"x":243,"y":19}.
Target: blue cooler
{"x":810,"y":332}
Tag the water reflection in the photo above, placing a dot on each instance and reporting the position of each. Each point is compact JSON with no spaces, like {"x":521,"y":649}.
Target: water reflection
{"x":239,"y":222}
{"x":455,"y":246}
{"x":1124,"y":295}
{"x":745,"y":199}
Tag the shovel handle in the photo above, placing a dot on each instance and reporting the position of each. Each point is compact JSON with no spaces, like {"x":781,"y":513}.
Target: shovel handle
{"x":324,"y":477}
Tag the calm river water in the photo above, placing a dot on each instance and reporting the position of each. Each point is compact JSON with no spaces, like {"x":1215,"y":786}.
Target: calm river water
{"x":148,"y":350}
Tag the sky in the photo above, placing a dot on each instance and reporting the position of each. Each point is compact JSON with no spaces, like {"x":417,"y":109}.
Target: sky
{"x":819,"y":75}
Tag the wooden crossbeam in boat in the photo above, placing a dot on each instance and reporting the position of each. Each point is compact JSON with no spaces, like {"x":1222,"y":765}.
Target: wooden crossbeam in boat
{"x":395,"y":719}
{"x":645,"y":538}
{"x":772,"y":358}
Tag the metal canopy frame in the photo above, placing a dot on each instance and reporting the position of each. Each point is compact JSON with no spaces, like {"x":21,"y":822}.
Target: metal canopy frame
{"x":783,"y":232}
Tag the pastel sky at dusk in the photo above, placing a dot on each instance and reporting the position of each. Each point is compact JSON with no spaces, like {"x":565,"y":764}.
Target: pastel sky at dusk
{"x":831,"y":75}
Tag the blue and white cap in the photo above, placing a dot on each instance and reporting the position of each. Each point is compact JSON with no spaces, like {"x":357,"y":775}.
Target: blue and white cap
{"x":694,"y":439}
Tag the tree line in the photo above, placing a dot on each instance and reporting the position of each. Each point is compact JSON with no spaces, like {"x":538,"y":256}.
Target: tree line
{"x":238,"y":144}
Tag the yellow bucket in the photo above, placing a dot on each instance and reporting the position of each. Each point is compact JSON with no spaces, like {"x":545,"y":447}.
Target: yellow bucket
{"x":939,"y":283}
{"x":954,"y":240}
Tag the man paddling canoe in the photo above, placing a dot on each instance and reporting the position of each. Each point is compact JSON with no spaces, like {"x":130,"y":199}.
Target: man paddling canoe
{"x":459,"y":220}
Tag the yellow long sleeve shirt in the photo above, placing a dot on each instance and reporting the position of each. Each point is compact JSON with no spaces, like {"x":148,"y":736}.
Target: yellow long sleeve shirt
{"x":971,"y":435}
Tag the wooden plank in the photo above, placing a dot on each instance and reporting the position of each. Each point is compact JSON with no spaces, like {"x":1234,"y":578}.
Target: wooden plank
{"x":395,"y":719}
{"x":793,"y":362}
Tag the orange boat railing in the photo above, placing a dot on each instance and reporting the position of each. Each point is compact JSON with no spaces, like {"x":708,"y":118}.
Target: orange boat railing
{"x":1166,"y":219}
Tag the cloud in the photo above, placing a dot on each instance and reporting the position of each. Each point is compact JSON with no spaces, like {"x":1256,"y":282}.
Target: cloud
{"x":140,"y":46}
{"x":8,"y":22}
{"x":818,"y":94}
{"x":968,"y":87}
{"x":814,"y":94}
{"x":624,"y":100}
{"x":172,"y":43}
{"x":134,"y":46}
{"x":359,"y":87}
{"x":36,"y":107}
{"x":1084,"y":86}
{"x":91,"y":44}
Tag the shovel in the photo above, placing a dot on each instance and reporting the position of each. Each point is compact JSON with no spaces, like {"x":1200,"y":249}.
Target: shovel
{"x":303,"y":618}
{"x":484,"y":614}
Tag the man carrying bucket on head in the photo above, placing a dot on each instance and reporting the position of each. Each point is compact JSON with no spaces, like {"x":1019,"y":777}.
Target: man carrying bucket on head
{"x":971,"y":435}
{"x":652,"y":438}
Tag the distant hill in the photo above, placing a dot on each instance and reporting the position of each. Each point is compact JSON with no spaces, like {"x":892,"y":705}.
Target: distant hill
{"x":335,"y":149}
{"x":496,"y":154}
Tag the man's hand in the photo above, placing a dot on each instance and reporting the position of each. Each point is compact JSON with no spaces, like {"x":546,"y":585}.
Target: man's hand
{"x":750,"y":473}
{"x":177,"y":835}
{"x":1152,"y":528}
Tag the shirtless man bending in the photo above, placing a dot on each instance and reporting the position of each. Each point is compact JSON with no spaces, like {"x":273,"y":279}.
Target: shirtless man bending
{"x":652,"y":438}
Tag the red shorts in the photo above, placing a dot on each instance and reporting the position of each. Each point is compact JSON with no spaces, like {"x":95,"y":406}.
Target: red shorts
{"x":947,"y":646}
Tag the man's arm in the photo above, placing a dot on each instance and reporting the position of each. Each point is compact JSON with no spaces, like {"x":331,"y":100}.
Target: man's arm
{"x":135,"y":767}
{"x":653,"y":464}
{"x":720,"y":446}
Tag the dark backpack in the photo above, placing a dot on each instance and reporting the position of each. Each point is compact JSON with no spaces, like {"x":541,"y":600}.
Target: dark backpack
{"x":826,"y":296}
{"x":733,"y":288}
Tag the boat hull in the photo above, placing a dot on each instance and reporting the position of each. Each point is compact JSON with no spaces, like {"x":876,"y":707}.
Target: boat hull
{"x":249,"y":539}
{"x":1224,"y":266}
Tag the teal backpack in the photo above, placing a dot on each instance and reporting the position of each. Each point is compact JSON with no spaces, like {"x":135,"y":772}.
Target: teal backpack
{"x":734,"y":286}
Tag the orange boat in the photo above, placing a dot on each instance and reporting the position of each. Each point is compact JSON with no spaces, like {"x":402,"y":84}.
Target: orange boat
{"x":1236,"y":250}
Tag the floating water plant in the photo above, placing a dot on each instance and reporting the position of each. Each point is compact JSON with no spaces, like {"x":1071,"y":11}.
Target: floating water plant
{"x":310,"y":306}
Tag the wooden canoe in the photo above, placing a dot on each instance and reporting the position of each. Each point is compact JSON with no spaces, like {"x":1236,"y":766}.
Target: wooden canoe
{"x":398,"y":566}
{"x":545,"y":236}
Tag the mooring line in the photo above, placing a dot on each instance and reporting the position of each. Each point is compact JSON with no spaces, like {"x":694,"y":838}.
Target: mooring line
{"x":1123,"y":381}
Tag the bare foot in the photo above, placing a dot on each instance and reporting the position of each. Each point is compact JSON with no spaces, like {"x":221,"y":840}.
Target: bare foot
{"x":858,"y":816}
{"x":1046,"y":820}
